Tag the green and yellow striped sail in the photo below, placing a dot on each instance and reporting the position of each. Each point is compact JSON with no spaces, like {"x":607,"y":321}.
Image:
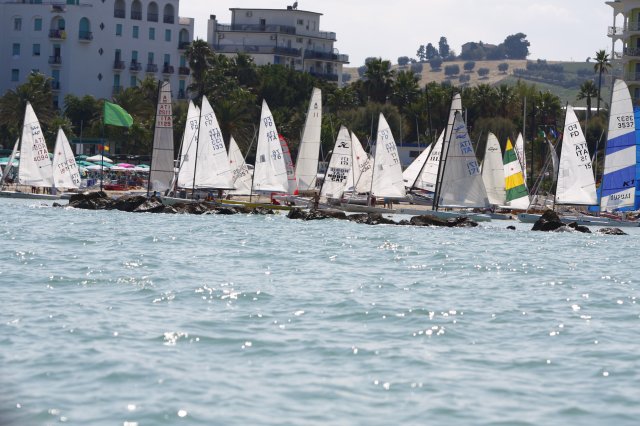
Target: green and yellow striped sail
{"x":516,"y":190}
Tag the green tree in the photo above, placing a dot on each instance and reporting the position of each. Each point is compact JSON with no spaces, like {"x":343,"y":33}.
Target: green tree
{"x":435,"y":63}
{"x":421,"y":53}
{"x":82,"y":112}
{"x":379,"y":80}
{"x":602,"y":66}
{"x":199,"y":56}
{"x":443,"y":48}
{"x":587,"y":91}
{"x":516,"y":46}
{"x":430,"y":52}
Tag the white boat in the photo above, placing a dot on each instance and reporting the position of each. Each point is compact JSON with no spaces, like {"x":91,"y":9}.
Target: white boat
{"x":35,"y":168}
{"x":292,"y":187}
{"x":241,"y":175}
{"x":65,"y":170}
{"x":340,"y":165}
{"x":162,"y":168}
{"x":359,"y":177}
{"x":493,"y":172}
{"x":309,"y":150}
{"x":212,"y":169}
{"x":411,"y":173}
{"x":270,"y":173}
{"x":187,"y":158}
{"x":387,"y":181}
{"x":7,"y":169}
{"x":428,"y":176}
{"x":521,"y":154}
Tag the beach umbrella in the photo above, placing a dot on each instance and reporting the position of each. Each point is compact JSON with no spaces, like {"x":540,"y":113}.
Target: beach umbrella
{"x":98,"y":158}
{"x":81,"y":157}
{"x":126,"y":165}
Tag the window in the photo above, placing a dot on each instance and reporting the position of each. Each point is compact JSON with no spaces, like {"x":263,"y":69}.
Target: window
{"x":299,"y":40}
{"x":17,"y":24}
{"x":133,"y":81}
{"x":116,"y":80}
{"x":150,"y":58}
{"x":152,"y":33}
{"x":300,"y":21}
{"x":37,"y":24}
{"x":36,"y":49}
{"x":167,"y":59}
{"x":167,"y":35}
{"x":134,"y":56}
{"x":183,"y":61}
{"x":16,"y":49}
{"x":136,"y":31}
{"x":119,"y":29}
{"x":15,"y":75}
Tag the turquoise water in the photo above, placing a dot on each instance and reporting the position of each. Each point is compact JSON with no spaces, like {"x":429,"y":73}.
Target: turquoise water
{"x":137,"y":319}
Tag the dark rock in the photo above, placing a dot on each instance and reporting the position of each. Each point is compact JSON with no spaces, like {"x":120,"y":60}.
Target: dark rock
{"x":378,"y":219}
{"x":226,"y":211}
{"x":579,"y":228}
{"x":57,"y":205}
{"x":461,"y":222}
{"x":326,"y":214}
{"x":611,"y":231}
{"x":151,"y":205}
{"x":262,"y":211}
{"x":87,"y":196}
{"x":549,"y":221}
{"x":511,"y":227}
{"x":296,"y":213}
{"x":128,"y":203}
{"x":169,"y":210}
{"x":457,"y":222}
{"x":98,"y":200}
{"x":358,"y":218}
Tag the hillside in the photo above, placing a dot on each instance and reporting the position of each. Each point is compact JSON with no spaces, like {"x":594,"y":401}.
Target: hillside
{"x":564,"y":84}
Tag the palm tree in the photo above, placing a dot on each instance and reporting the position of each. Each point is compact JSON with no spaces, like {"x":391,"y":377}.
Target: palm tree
{"x":588,"y":90}
{"x":379,"y":79}
{"x":199,"y":56}
{"x":602,"y":66}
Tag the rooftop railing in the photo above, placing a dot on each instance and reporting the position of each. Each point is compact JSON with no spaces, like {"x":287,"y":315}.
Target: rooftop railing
{"x":283,"y":29}
{"x":254,"y":49}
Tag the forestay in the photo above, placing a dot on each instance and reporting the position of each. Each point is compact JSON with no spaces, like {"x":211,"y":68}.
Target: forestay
{"x":161,"y":172}
{"x":339,"y":166}
{"x":35,"y":166}
{"x":65,"y":169}
{"x":576,"y":184}
{"x":270,"y":172}
{"x":493,"y":172}
{"x":189,"y":147}
{"x":387,"y":171}
{"x":309,"y":150}
{"x":212,"y":166}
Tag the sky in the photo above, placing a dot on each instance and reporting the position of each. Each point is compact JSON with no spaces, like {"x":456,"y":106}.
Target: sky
{"x":562,"y":30}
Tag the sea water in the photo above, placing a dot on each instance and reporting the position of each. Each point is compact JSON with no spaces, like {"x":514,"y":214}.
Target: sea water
{"x":112,"y":318}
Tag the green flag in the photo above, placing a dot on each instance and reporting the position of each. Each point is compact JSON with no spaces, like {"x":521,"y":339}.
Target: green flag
{"x":116,"y":115}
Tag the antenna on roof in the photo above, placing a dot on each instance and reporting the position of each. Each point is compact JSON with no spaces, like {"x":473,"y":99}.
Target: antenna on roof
{"x":295,"y":5}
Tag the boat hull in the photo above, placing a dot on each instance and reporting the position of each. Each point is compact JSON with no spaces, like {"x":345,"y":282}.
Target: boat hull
{"x":28,"y":195}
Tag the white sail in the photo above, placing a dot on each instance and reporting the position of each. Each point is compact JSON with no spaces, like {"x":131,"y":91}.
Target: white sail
{"x":429,"y":175}
{"x":188,"y":149}
{"x":387,"y":171}
{"x":618,"y":182}
{"x":576,"y":184}
{"x":161,"y":172}
{"x":35,"y":165}
{"x":461,"y":184}
{"x":292,"y":186}
{"x":359,"y":177}
{"x":493,"y":172}
{"x":239,"y":170}
{"x":411,"y":173}
{"x":9,"y":166}
{"x":65,"y":169}
{"x":309,"y":150}
{"x":212,"y":164}
{"x":339,"y":166}
{"x":522,"y":156}
{"x":270,"y":173}
{"x":456,"y":107}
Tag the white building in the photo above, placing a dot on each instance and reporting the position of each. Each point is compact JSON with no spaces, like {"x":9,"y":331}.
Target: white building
{"x":289,"y":37}
{"x":95,"y":47}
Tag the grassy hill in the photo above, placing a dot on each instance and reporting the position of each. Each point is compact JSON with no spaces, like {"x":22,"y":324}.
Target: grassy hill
{"x":565,"y":84}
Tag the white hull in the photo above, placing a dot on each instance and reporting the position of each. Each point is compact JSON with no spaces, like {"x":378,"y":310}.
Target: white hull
{"x":28,"y":195}
{"x":581,"y":220}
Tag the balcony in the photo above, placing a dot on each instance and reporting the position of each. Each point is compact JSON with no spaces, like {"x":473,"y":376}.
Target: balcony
{"x":327,"y":35}
{"x":183,"y":45}
{"x":152,"y":68}
{"x":632,"y":26}
{"x":85,"y":36}
{"x":119,"y":13}
{"x":255,"y":50}
{"x":326,"y":56}
{"x":135,"y":66}
{"x":116,"y":89}
{"x":136,"y":16}
{"x":55,"y":86}
{"x":55,"y":60}
{"x":168,"y":19}
{"x":118,"y":65}
{"x":167,"y":69}
{"x":632,"y":76}
{"x":152,"y":17}
{"x":615,"y":31}
{"x":184,"y":71}
{"x":282,"y":29}
{"x":57,"y":34}
{"x":627,"y":52}
{"x":324,"y":76}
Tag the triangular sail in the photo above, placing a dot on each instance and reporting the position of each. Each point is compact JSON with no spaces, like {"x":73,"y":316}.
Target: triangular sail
{"x":411,"y":173}
{"x":493,"y":172}
{"x":35,"y":165}
{"x":292,"y":187}
{"x":359,"y":177}
{"x":188,"y":149}
{"x":9,"y":166}
{"x":339,"y":166}
{"x":576,"y":184}
{"x":270,"y":172}
{"x":618,"y":181}
{"x":456,"y":107}
{"x":387,"y":171}
{"x":522,"y":156}
{"x":239,"y":170}
{"x":461,"y":184}
{"x":517,"y":194}
{"x":429,"y":175}
{"x":212,"y":167}
{"x":161,"y":173}
{"x":65,"y":169}
{"x":309,"y":150}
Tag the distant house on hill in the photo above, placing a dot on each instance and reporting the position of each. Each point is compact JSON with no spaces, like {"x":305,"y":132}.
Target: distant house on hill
{"x":480,"y":51}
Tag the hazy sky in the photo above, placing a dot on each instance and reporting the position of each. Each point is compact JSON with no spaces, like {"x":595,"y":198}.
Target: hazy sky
{"x":556,"y":29}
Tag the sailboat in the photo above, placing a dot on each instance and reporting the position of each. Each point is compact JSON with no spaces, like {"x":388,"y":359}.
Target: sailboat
{"x":7,"y":169}
{"x":186,"y":161}
{"x":340,"y":166}
{"x":410,"y":174}
{"x":65,"y":169}
{"x":520,"y":153}
{"x":517,"y":195}
{"x":292,"y":187}
{"x":270,"y":173}
{"x":35,"y":167}
{"x":239,"y":170}
{"x":309,"y":150}
{"x":359,"y":178}
{"x":493,"y":172}
{"x":162,"y":168}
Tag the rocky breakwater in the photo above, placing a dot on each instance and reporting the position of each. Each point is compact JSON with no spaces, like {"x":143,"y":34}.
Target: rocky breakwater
{"x":550,"y":222}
